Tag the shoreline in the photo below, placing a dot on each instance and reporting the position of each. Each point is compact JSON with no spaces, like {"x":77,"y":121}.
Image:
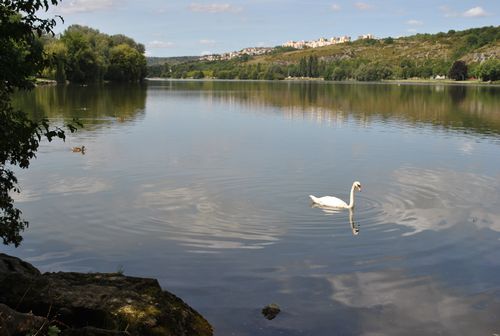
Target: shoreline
{"x":446,"y":82}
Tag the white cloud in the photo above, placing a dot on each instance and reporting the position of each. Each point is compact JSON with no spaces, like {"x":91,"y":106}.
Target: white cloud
{"x":336,"y":7}
{"x":214,"y":8}
{"x":85,"y":6}
{"x":467,"y":147}
{"x":447,"y":11}
{"x":411,"y":30}
{"x":427,"y":199}
{"x":475,"y":12}
{"x":82,"y":185}
{"x":192,"y":217}
{"x":470,"y":13}
{"x":363,"y":6}
{"x":159,"y":44}
{"x":414,"y":22}
{"x":207,"y":42}
{"x":410,"y":302}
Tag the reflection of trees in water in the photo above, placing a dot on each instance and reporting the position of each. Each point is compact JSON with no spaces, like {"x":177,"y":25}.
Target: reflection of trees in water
{"x":457,"y":93}
{"x":467,"y":108}
{"x":472,"y":108}
{"x":93,"y":104}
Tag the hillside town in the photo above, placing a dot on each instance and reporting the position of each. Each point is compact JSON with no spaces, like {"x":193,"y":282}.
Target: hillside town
{"x":255,"y":51}
{"x":323,"y":42}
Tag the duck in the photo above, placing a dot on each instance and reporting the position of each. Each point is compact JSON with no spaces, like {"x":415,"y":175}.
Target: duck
{"x":78,"y":149}
{"x":334,"y":202}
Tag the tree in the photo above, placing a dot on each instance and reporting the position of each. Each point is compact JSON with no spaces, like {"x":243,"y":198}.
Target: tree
{"x":21,"y":59}
{"x":303,"y":67}
{"x":91,"y":56}
{"x":408,"y":68}
{"x":388,"y":40}
{"x":489,"y":70}
{"x":199,"y":75}
{"x":339,"y":73}
{"x":458,"y":71}
{"x":57,"y":55}
{"x":84,"y":63}
{"x":126,"y":64}
{"x":312,"y":66}
{"x":373,"y":72}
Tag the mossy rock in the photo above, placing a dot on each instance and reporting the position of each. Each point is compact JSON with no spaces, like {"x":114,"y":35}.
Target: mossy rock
{"x":107,"y":301}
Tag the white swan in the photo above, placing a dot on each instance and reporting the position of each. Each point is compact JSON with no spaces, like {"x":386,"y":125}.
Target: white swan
{"x":334,"y":202}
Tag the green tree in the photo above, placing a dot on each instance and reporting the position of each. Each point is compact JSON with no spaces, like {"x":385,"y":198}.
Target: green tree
{"x":312,"y":66}
{"x":199,"y":75}
{"x":57,"y":54}
{"x":303,"y":67}
{"x":155,"y":71}
{"x":122,"y":39}
{"x":91,"y":56}
{"x":21,"y":59}
{"x":243,"y":73}
{"x":254,"y":74}
{"x":373,"y":72}
{"x":83,"y":66}
{"x":490,"y":70}
{"x":408,"y":68}
{"x":339,"y":73}
{"x":126,"y":64}
{"x":388,"y":40}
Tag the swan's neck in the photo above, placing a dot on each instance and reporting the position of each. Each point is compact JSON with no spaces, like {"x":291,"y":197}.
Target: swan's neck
{"x":351,"y":200}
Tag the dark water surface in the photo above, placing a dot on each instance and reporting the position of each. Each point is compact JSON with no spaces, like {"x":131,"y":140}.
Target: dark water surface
{"x":204,"y":185}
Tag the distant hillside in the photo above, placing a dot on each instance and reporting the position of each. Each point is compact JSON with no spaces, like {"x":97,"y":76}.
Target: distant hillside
{"x":151,"y":61}
{"x":472,"y":45}
{"x":417,"y":56}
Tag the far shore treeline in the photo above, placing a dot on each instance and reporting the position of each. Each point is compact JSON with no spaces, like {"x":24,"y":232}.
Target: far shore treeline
{"x":85,"y":55}
{"x":456,"y":55}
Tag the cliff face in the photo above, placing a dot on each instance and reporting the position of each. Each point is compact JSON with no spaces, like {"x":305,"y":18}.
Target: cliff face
{"x":92,"y":304}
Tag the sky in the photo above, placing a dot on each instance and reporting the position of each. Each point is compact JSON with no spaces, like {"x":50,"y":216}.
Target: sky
{"x":194,"y":28}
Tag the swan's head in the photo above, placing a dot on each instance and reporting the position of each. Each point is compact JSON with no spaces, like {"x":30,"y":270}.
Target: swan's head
{"x":357,"y":185}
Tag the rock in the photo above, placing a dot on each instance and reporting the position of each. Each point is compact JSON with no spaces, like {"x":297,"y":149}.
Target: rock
{"x":15,"y":323}
{"x":9,"y":264}
{"x":271,"y":311}
{"x":98,"y":303}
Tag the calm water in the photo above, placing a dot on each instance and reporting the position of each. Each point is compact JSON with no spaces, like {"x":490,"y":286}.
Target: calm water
{"x":204,"y":185}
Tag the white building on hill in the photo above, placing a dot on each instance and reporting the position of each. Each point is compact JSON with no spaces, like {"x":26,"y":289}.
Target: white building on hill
{"x":321,"y":42}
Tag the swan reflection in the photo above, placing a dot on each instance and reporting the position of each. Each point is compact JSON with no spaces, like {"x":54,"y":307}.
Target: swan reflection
{"x":332,"y":210}
{"x":354,"y":227}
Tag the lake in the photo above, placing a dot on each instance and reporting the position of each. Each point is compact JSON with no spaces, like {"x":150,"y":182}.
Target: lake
{"x":204,"y":185}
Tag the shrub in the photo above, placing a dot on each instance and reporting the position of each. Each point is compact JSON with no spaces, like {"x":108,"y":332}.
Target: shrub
{"x":489,"y":70}
{"x":373,"y":72}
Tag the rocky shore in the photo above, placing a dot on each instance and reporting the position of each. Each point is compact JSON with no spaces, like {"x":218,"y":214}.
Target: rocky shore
{"x":93,"y":304}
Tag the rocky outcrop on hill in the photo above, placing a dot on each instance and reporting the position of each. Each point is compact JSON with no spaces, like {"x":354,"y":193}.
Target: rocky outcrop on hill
{"x":91,"y":304}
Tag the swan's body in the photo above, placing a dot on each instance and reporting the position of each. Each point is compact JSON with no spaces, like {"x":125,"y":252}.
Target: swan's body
{"x":329,"y":201}
{"x":334,"y":202}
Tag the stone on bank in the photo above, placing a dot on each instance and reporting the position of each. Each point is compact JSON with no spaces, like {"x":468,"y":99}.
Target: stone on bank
{"x":90,"y":304}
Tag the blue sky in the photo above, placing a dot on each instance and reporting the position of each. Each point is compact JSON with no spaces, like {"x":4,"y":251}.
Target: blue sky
{"x":178,"y":28}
